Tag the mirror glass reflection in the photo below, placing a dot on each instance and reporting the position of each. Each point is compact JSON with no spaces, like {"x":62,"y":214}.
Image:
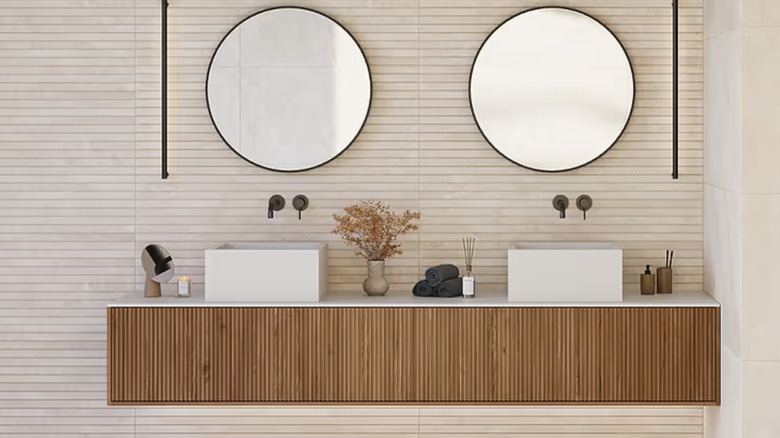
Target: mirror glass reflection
{"x":552,"y":89}
{"x":288,"y":89}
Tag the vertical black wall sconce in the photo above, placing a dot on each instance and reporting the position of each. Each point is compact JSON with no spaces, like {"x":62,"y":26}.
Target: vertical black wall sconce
{"x":164,"y":87}
{"x":675,"y":89}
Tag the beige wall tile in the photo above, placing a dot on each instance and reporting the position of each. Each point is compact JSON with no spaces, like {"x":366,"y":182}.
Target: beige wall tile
{"x":760,"y":408}
{"x":760,"y":111}
{"x":761,"y":277}
{"x":723,"y":112}
{"x":723,"y":223}
{"x":721,"y":16}
{"x":723,"y":236}
{"x":725,"y":421}
{"x":759,"y":13}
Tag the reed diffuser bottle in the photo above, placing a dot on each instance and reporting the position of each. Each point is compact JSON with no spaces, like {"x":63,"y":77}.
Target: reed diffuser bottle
{"x":469,"y":282}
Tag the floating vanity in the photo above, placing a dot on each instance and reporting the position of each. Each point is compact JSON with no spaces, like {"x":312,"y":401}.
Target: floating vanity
{"x":353,"y":349}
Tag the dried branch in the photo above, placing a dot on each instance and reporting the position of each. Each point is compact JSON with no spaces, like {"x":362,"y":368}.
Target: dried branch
{"x":372,"y":228}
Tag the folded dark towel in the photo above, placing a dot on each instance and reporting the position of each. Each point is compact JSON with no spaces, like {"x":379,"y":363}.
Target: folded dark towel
{"x":422,"y":289}
{"x":450,"y":288}
{"x":437,"y":274}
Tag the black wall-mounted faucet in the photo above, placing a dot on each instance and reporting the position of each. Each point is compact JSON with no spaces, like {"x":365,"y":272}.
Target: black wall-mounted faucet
{"x":561,"y":203}
{"x":275,"y":203}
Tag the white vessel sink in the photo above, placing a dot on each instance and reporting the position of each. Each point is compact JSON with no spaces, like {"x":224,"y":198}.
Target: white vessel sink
{"x":565,"y":272}
{"x":267,"y":272}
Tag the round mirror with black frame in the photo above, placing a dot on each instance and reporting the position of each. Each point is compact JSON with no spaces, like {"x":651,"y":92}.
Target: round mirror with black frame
{"x":288,"y":89}
{"x":552,"y":89}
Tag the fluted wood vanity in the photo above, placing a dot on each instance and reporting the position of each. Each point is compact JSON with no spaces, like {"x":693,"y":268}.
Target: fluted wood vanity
{"x":350,"y":349}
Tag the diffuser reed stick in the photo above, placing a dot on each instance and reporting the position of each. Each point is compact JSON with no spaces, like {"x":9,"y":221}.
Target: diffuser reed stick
{"x":469,"y":244}
{"x":469,"y":282}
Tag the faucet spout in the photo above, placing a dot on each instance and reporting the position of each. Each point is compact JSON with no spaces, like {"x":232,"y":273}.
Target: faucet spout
{"x":275,"y":203}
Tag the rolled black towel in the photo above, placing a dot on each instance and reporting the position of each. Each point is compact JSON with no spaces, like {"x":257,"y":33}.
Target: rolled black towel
{"x":422,"y":289}
{"x":450,"y":288}
{"x":437,"y":274}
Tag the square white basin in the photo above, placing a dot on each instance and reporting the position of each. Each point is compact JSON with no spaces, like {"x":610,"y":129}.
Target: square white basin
{"x":565,"y":272}
{"x":267,"y":272}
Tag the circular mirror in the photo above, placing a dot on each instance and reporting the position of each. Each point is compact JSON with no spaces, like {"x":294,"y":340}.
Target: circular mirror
{"x":288,"y":89}
{"x":551,"y":89}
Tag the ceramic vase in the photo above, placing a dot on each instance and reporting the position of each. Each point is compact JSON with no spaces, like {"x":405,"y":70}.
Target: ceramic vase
{"x":376,"y":284}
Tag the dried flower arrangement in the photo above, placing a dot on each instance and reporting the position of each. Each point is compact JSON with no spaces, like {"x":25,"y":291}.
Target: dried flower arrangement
{"x":371,"y":227}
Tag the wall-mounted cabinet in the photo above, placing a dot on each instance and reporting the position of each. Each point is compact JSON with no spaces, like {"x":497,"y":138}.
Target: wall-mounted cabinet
{"x":414,"y":355}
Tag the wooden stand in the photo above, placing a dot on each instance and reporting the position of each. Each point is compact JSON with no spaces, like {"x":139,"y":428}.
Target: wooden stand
{"x":152,"y":289}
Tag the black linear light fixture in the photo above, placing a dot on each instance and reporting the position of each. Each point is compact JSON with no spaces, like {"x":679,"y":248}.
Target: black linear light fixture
{"x":164,"y":87}
{"x":675,"y":89}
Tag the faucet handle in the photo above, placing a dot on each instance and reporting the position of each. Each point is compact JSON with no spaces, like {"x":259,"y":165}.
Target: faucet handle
{"x":584,"y":203}
{"x":300,"y":203}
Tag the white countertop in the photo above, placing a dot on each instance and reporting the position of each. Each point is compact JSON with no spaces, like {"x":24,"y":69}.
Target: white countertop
{"x":483,"y":299}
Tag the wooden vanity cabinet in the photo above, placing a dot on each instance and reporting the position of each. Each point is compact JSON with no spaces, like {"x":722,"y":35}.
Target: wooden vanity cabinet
{"x":414,"y":355}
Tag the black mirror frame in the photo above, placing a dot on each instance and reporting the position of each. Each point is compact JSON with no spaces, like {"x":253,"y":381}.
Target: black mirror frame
{"x":370,"y":89}
{"x":630,"y":66}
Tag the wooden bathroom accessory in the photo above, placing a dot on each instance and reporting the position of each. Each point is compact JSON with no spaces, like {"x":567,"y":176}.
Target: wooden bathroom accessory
{"x":665,"y":274}
{"x":664,"y":280}
{"x":647,"y":282}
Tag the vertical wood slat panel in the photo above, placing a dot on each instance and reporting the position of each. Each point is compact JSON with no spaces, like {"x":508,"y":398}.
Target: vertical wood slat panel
{"x":414,"y":355}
